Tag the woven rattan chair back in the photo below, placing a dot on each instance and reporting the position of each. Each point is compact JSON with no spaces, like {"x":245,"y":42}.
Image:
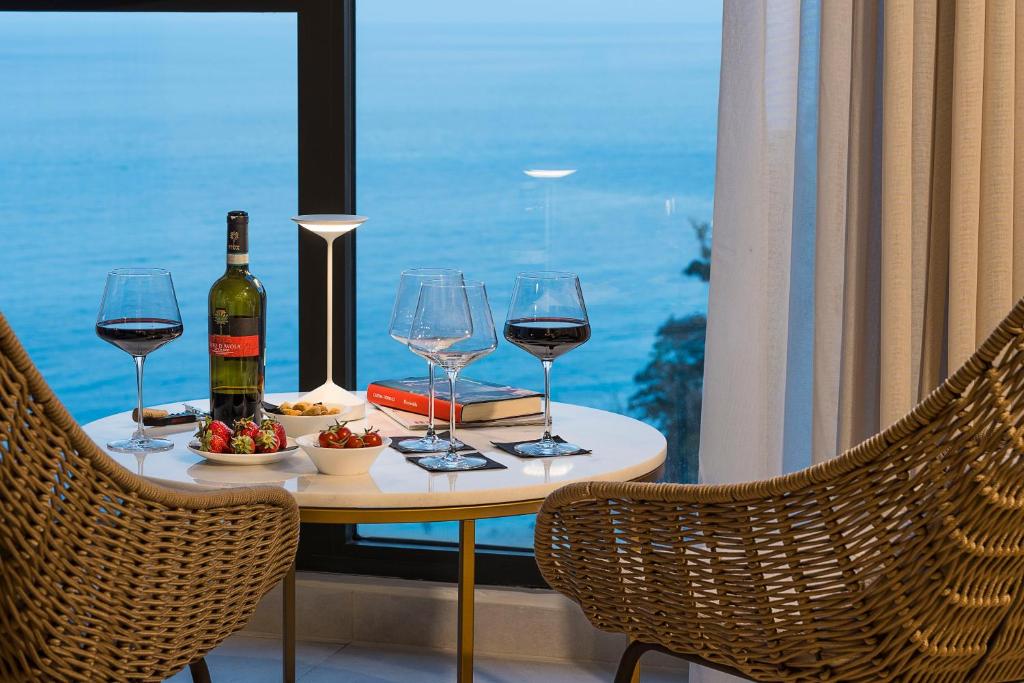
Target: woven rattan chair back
{"x":902,"y":559}
{"x":103,"y":575}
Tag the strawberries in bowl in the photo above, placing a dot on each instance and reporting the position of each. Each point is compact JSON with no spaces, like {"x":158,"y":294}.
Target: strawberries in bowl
{"x":215,"y":440}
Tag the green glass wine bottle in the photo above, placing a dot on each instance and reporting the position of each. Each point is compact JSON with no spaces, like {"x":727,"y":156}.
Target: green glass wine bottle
{"x":238,"y":324}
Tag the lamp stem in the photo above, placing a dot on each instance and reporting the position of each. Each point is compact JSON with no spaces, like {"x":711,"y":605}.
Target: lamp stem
{"x":330,"y":310}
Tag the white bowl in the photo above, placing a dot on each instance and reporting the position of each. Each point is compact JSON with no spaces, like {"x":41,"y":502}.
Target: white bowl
{"x":340,"y":461}
{"x":296,"y":425}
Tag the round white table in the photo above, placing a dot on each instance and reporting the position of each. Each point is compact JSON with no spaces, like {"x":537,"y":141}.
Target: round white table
{"x":396,"y":491}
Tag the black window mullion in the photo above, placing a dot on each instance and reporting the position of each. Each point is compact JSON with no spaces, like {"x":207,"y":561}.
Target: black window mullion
{"x":326,"y":64}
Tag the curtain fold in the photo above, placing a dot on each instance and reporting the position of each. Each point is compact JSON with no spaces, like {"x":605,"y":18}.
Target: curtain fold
{"x":915,"y":249}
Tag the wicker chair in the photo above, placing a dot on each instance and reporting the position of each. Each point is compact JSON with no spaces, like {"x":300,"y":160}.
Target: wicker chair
{"x":900,"y":560}
{"x":105,"y":576}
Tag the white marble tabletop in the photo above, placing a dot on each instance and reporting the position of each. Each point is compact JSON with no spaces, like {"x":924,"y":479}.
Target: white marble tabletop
{"x":623,"y":449}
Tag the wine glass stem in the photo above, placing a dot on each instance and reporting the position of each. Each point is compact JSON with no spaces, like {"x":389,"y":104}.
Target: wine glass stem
{"x":547,"y":399}
{"x":451,"y":455}
{"x":430,"y":401}
{"x":139,"y":434}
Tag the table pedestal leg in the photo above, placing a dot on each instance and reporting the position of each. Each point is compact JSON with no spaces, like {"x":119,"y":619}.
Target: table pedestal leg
{"x":467,"y":581}
{"x":288,"y":627}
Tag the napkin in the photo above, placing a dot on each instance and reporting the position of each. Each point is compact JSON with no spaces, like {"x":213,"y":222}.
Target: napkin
{"x":510,"y":448}
{"x":491,"y":464}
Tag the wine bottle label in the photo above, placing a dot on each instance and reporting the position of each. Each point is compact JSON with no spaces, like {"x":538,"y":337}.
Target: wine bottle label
{"x":234,"y":336}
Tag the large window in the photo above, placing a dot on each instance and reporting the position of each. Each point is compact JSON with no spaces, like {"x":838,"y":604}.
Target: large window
{"x":456,"y":102}
{"x":128,"y":135}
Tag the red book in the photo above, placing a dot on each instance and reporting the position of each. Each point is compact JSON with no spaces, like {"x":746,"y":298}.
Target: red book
{"x":475,"y":401}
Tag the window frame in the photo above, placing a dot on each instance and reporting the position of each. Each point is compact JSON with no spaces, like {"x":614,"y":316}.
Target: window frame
{"x":326,"y":43}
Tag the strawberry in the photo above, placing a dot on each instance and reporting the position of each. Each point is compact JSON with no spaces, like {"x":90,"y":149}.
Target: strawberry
{"x":219,"y":428}
{"x":214,"y":436}
{"x":208,"y":424}
{"x":212,"y":442}
{"x":271,"y":423}
{"x":243,"y":444}
{"x":247,"y":427}
{"x":267,"y":442}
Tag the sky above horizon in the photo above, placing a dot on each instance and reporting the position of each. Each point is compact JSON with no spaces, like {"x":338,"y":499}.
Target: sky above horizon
{"x":642,"y":11}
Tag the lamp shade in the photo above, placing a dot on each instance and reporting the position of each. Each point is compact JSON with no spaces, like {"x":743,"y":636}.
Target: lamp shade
{"x":329,"y":225}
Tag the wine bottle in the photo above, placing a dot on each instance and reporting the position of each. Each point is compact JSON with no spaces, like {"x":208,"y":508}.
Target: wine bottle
{"x":238,"y":323}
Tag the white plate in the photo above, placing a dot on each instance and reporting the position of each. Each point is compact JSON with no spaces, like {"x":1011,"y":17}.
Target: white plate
{"x":247,"y":458}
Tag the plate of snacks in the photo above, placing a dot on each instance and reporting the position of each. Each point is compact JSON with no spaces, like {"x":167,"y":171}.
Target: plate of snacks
{"x":244,"y":443}
{"x":303,"y":417}
{"x":339,"y":450}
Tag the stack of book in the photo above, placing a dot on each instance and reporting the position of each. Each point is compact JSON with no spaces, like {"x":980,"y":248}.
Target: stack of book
{"x":477,"y":404}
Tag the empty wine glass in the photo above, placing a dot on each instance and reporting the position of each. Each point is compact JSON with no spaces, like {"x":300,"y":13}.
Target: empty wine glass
{"x":139,"y":314}
{"x":453,"y":326}
{"x":547,"y":318}
{"x":401,"y":322}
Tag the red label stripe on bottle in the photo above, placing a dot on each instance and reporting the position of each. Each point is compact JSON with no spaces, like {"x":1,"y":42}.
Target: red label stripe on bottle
{"x":234,"y":347}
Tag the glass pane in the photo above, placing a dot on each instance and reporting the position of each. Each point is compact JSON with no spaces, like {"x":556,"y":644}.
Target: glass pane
{"x":127,"y":138}
{"x":456,"y":101}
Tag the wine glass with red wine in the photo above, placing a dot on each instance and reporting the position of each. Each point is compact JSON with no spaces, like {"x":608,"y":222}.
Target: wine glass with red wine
{"x":547,"y":318}
{"x":139,"y":314}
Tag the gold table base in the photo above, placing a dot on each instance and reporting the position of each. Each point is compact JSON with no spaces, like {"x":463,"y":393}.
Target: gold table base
{"x":466,"y":515}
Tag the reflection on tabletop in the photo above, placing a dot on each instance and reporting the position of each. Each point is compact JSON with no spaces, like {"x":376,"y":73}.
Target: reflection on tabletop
{"x":451,"y":476}
{"x":547,"y":467}
{"x":211,"y":474}
{"x":325,"y":483}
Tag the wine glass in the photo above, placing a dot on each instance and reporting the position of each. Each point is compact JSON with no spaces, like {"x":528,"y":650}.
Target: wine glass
{"x":453,"y":327}
{"x":401,"y":322}
{"x":547,"y":318}
{"x":139,"y":314}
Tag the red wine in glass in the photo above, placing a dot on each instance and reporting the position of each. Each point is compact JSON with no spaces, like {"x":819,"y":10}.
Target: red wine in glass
{"x":547,"y":318}
{"x":139,"y":314}
{"x":138,"y":336}
{"x":547,"y":338}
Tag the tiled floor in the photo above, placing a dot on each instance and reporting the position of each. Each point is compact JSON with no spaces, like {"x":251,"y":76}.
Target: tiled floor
{"x":249,"y":659}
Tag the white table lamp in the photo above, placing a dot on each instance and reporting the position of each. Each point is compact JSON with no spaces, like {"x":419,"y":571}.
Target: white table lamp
{"x":330,"y":226}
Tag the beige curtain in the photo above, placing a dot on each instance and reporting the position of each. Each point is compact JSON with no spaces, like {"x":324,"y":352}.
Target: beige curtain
{"x":826,"y":326}
{"x":949,"y":265}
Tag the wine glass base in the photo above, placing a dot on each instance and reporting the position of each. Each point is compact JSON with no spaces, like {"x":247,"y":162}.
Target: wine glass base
{"x":428,"y":445}
{"x":545,"y":449}
{"x":143,"y":445}
{"x":439,"y":462}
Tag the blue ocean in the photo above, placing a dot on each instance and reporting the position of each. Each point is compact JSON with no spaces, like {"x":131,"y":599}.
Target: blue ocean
{"x":125,"y":138}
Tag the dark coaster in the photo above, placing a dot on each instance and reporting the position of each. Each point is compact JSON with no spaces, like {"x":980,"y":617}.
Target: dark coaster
{"x":491,"y":464}
{"x":396,"y":443}
{"x":510,"y":448}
